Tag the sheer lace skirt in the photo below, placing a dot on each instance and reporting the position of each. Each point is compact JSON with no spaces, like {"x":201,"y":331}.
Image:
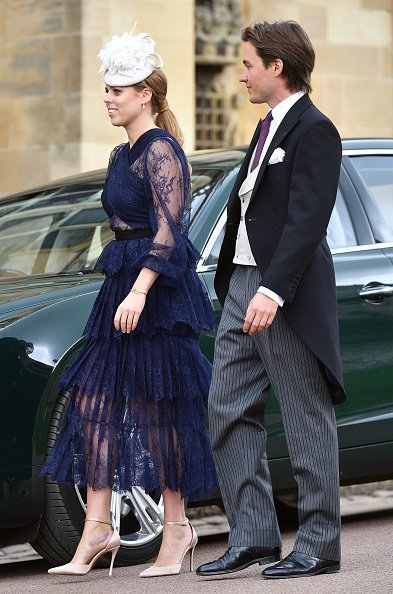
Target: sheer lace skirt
{"x":137,"y":405}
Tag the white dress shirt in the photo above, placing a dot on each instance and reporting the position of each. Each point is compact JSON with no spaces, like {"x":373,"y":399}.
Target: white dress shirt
{"x":243,"y":253}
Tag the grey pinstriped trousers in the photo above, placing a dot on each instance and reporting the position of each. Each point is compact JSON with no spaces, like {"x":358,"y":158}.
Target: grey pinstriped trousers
{"x":244,"y":369}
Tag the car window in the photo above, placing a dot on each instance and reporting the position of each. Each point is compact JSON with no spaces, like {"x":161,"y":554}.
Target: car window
{"x":55,"y":231}
{"x":203,"y":181}
{"x":376,"y":172}
{"x":213,"y":253}
{"x":64,"y":229}
{"x":340,"y":232}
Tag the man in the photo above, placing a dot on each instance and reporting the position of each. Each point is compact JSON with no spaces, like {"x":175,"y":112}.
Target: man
{"x":279,"y":327}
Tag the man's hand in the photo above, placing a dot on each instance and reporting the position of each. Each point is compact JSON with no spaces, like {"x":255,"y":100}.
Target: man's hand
{"x":260,"y":314}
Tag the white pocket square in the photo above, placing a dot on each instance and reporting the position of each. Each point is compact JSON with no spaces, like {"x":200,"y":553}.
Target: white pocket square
{"x":277,"y":156}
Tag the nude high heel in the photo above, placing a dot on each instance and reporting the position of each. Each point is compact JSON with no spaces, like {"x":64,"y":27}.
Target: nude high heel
{"x":112,"y":546}
{"x":156,"y":571}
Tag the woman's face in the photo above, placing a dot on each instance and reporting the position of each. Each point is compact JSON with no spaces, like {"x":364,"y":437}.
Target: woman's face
{"x":124,"y":104}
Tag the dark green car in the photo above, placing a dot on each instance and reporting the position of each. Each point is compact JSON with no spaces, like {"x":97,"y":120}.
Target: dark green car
{"x":50,"y":239}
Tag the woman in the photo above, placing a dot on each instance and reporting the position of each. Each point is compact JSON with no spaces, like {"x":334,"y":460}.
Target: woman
{"x":139,"y":386}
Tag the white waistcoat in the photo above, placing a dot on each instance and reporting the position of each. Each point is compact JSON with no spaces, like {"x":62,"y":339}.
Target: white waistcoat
{"x":243,"y":253}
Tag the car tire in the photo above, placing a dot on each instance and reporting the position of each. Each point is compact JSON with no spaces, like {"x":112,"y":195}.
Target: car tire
{"x":65,"y":511}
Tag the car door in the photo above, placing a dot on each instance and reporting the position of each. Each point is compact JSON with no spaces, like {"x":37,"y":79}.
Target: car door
{"x":364,"y":273}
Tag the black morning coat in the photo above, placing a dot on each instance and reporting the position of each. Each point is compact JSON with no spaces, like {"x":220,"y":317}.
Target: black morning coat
{"x":286,"y":222}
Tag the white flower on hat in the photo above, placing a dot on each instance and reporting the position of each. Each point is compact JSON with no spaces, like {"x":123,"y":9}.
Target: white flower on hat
{"x":129,"y":59}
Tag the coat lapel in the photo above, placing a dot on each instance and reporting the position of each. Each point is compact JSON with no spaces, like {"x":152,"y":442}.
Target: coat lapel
{"x":287,"y":124}
{"x":244,"y":167}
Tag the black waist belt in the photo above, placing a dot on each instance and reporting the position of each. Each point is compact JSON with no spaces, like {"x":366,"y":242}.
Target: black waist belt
{"x":123,"y":234}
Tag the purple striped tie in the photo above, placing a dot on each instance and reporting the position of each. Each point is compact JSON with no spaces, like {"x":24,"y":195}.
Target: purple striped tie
{"x":262,"y":139}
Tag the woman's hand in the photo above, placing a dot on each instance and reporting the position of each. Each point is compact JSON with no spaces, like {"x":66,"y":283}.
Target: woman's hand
{"x":129,"y":311}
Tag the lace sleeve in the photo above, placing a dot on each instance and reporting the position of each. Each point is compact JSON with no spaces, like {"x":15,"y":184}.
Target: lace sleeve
{"x":168,"y":184}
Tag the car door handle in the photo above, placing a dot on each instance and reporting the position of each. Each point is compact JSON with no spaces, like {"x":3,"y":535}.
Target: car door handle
{"x":375,"y":291}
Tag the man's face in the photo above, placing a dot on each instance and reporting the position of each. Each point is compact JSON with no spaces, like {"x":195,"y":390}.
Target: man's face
{"x":262,"y":83}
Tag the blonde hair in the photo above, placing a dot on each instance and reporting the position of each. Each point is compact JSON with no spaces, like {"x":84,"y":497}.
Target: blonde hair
{"x":165,"y":118}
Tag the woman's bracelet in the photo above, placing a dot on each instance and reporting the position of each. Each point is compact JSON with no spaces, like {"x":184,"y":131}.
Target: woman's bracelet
{"x":139,"y":292}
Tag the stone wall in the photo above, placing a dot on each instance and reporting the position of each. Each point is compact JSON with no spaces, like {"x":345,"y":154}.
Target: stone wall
{"x":53,"y":122}
{"x":353,"y":77}
{"x":40,"y":91}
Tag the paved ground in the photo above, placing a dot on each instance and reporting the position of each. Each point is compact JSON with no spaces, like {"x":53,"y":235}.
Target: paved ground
{"x":367,"y":569}
{"x":367,"y":561}
{"x":354,"y":500}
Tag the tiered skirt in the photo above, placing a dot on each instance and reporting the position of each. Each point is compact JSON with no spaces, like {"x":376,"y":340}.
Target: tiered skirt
{"x":137,"y":411}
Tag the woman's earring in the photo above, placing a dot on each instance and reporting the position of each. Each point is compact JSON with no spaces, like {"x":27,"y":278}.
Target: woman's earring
{"x":143,"y":106}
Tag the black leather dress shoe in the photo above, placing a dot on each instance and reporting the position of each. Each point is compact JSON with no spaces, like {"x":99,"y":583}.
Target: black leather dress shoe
{"x":300,"y":565}
{"x":238,"y":558}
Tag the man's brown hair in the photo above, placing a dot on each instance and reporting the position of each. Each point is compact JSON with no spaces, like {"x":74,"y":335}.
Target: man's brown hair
{"x":287,"y":41}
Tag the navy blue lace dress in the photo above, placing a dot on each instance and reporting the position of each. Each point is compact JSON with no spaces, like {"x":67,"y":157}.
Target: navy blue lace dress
{"x":138,"y":400}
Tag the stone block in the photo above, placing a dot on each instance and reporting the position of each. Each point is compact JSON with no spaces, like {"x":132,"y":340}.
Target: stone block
{"x":345,"y":59}
{"x":378,"y":5}
{"x":66,"y":64}
{"x":72,"y":119}
{"x":25,"y":68}
{"x":318,"y":91}
{"x":64,"y":160}
{"x":23,"y":169}
{"x":3,"y":21}
{"x":358,"y":26}
{"x":95,"y":155}
{"x":5,"y":121}
{"x":29,"y":18}
{"x":353,"y":3}
{"x":313,"y":20}
{"x":273,"y":10}
{"x":41,"y":122}
{"x":386,"y":58}
{"x":35,"y":122}
{"x":334,"y":99}
{"x":72,"y":16}
{"x":91,"y":79}
{"x":361,"y":116}
{"x":94,"y":15}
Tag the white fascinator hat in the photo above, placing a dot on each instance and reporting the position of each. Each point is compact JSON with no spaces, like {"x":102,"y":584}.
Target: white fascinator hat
{"x":129,"y":59}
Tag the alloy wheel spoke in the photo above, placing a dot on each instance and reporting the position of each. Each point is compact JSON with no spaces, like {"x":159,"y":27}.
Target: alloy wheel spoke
{"x":147,"y":512}
{"x":116,"y":510}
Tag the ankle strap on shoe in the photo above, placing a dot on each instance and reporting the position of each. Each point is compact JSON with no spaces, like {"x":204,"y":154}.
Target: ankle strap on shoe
{"x":180,"y":523}
{"x":99,"y":521}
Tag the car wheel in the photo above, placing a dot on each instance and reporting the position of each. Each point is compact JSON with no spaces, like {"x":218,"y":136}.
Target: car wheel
{"x":138,"y":516}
